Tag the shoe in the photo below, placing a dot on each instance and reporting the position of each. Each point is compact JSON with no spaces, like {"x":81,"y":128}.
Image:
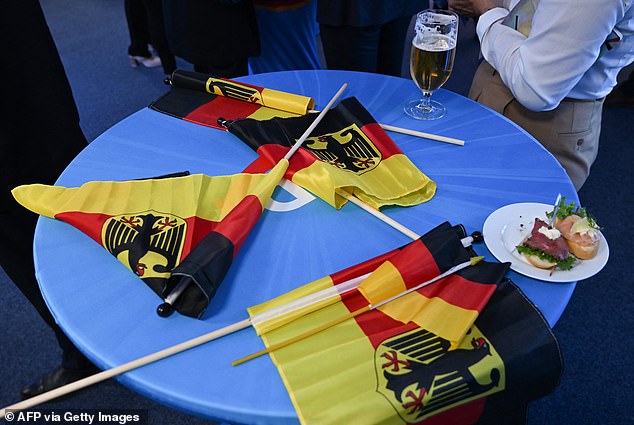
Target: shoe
{"x":136,"y":60}
{"x":149,"y":62}
{"x":57,"y":378}
{"x":152,"y":62}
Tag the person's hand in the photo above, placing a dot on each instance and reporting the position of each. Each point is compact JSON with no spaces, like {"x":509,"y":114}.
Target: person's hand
{"x":473,"y":8}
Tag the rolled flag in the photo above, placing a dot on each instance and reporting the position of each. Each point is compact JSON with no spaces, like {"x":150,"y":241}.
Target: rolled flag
{"x":165,"y":230}
{"x":347,"y":150}
{"x":202,"y":99}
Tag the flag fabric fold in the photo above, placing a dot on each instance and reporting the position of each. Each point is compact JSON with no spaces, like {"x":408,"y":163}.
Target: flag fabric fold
{"x":165,"y":230}
{"x":384,"y":367}
{"x":202,"y":99}
{"x":347,"y":150}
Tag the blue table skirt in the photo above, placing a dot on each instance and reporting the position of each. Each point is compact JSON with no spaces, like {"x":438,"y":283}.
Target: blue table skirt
{"x":109,"y":313}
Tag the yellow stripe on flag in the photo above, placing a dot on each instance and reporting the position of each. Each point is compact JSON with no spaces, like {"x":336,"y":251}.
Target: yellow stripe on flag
{"x":394,"y":182}
{"x":385,"y":282}
{"x":302,"y":291}
{"x":300,"y":365}
{"x":211,"y":198}
{"x":433,"y":314}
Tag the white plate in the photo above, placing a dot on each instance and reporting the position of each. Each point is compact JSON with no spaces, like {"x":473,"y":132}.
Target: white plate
{"x":508,"y":226}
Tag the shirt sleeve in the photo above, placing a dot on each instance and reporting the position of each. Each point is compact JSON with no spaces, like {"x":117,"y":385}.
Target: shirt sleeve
{"x":564,"y":42}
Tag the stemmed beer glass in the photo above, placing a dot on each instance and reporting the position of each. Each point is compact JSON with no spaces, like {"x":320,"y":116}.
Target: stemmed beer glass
{"x":431,"y":60}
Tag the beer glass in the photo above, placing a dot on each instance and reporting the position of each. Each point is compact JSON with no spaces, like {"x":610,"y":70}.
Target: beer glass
{"x":431,"y":60}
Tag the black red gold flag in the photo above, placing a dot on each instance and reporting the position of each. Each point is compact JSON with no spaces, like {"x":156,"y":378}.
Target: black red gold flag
{"x":378,"y":369}
{"x":165,"y":230}
{"x":448,"y":307}
{"x":347,"y":150}
{"x":202,"y":99}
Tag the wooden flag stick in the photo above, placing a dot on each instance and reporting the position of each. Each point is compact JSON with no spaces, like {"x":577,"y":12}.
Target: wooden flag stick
{"x":109,"y":373}
{"x":301,"y":336}
{"x":423,"y":135}
{"x":378,"y":214}
{"x":311,"y":127}
{"x":415,"y":133}
{"x":323,"y":327}
{"x":475,"y":237}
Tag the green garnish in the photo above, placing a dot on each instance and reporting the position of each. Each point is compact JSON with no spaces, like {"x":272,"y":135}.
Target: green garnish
{"x":562,"y":264}
{"x":571,"y":208}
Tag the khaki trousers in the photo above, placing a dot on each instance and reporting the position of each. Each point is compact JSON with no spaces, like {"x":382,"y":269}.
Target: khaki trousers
{"x":570,"y":132}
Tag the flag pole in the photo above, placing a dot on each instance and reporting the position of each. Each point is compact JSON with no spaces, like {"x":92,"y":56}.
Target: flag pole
{"x":109,"y":373}
{"x":423,"y":135}
{"x":416,"y":133}
{"x":378,"y":214}
{"x":312,"y":126}
{"x":471,"y":262}
{"x":475,"y":236}
{"x":134,"y":364}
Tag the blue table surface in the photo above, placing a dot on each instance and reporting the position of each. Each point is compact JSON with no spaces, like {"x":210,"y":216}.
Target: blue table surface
{"x":110,"y":314}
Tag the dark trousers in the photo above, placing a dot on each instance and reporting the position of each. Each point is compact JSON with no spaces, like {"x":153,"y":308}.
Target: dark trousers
{"x":376,"y":48}
{"x":236,"y":69}
{"x":39,"y":135}
{"x":146,"y":25}
{"x":16,"y":257}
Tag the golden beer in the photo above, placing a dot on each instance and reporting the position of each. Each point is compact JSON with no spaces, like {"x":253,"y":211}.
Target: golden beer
{"x":431,"y":61}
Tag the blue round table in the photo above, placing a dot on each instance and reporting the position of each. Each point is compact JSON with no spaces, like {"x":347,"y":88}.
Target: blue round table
{"x":110,"y":314}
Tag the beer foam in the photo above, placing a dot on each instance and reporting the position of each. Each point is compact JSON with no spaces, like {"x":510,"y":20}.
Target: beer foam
{"x":434,"y":43}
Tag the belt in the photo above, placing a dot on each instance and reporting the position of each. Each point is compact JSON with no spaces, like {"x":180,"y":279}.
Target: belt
{"x":570,"y":99}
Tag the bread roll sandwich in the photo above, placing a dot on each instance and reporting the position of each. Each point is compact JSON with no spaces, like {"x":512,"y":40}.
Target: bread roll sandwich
{"x":546,"y":248}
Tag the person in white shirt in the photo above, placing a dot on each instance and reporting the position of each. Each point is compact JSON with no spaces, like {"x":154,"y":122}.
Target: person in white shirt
{"x":549,"y":65}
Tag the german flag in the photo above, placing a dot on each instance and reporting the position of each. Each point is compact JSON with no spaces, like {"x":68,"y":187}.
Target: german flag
{"x":380,"y":369}
{"x":165,"y":230}
{"x":202,"y":99}
{"x":460,"y":296}
{"x":347,"y":150}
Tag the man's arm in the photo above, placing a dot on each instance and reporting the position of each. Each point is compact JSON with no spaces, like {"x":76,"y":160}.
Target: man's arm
{"x":564,"y":42}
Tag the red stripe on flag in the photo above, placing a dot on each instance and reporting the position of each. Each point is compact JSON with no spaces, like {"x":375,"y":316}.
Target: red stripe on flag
{"x":259,"y":166}
{"x":300,"y":160}
{"x":361,"y":268}
{"x":238,"y":223}
{"x":416,"y":264}
{"x":466,"y":414}
{"x":89,"y":223}
{"x":235,"y":226}
{"x":220,"y":106}
{"x":381,"y":140}
{"x":460,"y":292}
{"x":376,"y":325}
